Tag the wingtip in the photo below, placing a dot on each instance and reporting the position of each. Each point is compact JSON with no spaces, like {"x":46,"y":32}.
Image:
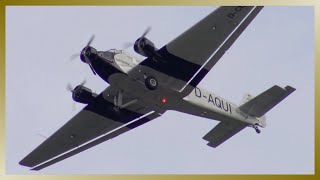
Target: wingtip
{"x":24,"y":163}
{"x":290,"y":89}
{"x":213,"y":145}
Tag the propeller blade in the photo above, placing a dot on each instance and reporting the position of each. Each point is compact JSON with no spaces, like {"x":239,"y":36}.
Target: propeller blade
{"x":69,"y":87}
{"x":92,"y":69}
{"x":127,"y":45}
{"x":146,"y":31}
{"x":74,"y":56}
{"x":83,"y":82}
{"x":144,"y":34}
{"x":91,"y":39}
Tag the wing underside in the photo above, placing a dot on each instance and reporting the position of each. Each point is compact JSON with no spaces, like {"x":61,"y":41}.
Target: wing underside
{"x":90,"y":126}
{"x":189,"y":57}
{"x":99,"y":140}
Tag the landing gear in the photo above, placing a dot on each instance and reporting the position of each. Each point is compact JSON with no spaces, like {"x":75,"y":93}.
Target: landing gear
{"x":256,"y":128}
{"x":118,"y":103}
{"x":151,"y":83}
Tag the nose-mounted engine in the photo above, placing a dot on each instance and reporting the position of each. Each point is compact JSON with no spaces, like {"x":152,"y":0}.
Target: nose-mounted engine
{"x":83,"y":95}
{"x":88,"y":54}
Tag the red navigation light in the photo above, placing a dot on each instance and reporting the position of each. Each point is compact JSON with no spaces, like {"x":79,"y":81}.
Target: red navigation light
{"x":164,"y":100}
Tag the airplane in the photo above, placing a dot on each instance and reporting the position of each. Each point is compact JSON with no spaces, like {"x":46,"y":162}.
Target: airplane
{"x":142,"y":89}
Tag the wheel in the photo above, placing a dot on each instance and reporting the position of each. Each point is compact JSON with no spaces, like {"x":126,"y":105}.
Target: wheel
{"x":116,"y":108}
{"x":258,"y":131}
{"x":151,"y":83}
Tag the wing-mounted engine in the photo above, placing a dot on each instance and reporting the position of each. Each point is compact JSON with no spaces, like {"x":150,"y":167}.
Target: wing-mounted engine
{"x":145,"y":47}
{"x":83,"y":95}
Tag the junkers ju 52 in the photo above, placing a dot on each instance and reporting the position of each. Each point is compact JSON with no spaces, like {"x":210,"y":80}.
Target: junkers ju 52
{"x":142,"y":89}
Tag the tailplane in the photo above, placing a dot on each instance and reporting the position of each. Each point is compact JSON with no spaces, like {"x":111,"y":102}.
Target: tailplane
{"x":262,"y":103}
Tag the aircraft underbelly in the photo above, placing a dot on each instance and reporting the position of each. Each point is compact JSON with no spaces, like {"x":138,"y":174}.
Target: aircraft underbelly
{"x":137,"y":90}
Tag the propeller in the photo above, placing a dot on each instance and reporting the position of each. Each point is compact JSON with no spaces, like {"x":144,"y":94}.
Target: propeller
{"x":126,"y":45}
{"x":90,"y":40}
{"x":146,"y":31}
{"x":71,"y":89}
{"x":144,"y":34}
{"x":74,"y":56}
{"x":86,"y":60}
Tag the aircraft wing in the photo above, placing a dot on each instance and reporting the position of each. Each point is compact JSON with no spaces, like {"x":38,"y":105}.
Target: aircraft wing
{"x":223,"y":131}
{"x":85,"y":128}
{"x":189,"y":57}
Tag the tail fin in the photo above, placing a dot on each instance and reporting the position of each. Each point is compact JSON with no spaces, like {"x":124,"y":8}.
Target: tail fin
{"x":262,"y":120}
{"x":262,"y":103}
{"x":247,"y":97}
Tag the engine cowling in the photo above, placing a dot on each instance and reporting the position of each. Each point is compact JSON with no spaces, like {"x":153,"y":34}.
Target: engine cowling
{"x":83,"y":95}
{"x":144,"y":47}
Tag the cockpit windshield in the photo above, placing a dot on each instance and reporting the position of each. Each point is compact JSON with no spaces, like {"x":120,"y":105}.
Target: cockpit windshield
{"x":116,"y":51}
{"x":110,"y":54}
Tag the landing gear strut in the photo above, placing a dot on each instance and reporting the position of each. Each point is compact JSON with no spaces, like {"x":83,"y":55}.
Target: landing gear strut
{"x":118,"y":103}
{"x":151,"y":83}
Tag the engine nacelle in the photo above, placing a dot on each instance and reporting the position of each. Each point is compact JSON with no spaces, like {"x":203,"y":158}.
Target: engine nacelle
{"x":83,"y":95}
{"x":144,"y":47}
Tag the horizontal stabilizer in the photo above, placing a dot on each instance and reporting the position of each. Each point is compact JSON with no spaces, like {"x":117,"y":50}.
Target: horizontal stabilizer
{"x":262,"y":103}
{"x":223,"y":131}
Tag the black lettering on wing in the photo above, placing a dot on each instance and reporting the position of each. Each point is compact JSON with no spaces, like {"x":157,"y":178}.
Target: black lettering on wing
{"x":236,"y":10}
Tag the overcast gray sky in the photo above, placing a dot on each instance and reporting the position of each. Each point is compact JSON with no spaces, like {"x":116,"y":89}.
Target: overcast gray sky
{"x":276,"y":48}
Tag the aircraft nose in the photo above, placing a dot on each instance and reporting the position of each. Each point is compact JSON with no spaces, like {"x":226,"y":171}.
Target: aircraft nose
{"x":87,"y":54}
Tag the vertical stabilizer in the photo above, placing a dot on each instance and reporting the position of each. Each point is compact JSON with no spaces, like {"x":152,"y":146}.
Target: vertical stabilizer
{"x":247,"y":97}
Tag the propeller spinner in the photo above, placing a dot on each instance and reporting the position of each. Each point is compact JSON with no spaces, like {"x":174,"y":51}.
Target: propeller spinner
{"x":87,"y":54}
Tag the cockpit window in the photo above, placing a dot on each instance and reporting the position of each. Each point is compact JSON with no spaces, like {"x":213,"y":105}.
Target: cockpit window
{"x":108,"y":55}
{"x":116,"y":51}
